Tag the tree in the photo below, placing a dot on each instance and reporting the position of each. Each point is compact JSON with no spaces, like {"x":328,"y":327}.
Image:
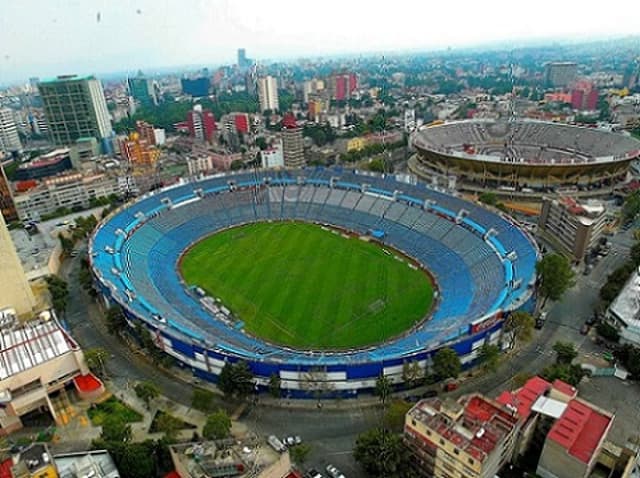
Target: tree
{"x":147,"y":391}
{"x":382,"y":454}
{"x":237,"y":164}
{"x":488,"y":198}
{"x":59,"y":290}
{"x":572,"y":374}
{"x":608,"y":331}
{"x":115,"y":320}
{"x":520,"y":379}
{"x":489,"y":357}
{"x":95,"y":359}
{"x":520,"y":326}
{"x":555,"y":276}
{"x":383,"y":388}
{"x":66,"y":243}
{"x":275,"y":385}
{"x":115,"y":429}
{"x":202,"y":399}
{"x":236,"y":379}
{"x":300,"y":453}
{"x":376,"y":165}
{"x":169,"y":425}
{"x":134,"y":460}
{"x":446,"y":364}
{"x":217,"y":426}
{"x":395,"y":414}
{"x":565,"y":352}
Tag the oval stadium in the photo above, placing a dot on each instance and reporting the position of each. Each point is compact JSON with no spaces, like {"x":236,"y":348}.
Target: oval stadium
{"x":525,"y":158}
{"x":326,"y":278}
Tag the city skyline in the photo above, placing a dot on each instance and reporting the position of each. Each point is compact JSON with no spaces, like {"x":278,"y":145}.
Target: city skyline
{"x":101,"y":37}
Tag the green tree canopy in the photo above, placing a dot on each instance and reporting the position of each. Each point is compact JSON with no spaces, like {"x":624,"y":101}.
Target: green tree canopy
{"x":382,"y":454}
{"x":203,"y":399}
{"x":115,"y":320}
{"x":489,"y":357}
{"x":115,"y":429}
{"x":555,"y":276}
{"x":446,"y":364}
{"x":275,"y":385}
{"x":565,"y":352}
{"x":96,"y":358}
{"x":520,"y":325}
{"x":59,"y":290}
{"x":236,"y":379}
{"x":217,"y":426}
{"x":394,"y":415}
{"x":147,"y":391}
{"x":300,"y":453}
{"x":383,"y":388}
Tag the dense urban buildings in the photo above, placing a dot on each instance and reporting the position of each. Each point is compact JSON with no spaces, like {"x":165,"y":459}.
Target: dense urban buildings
{"x":9,"y":138}
{"x":268,"y":94}
{"x":574,"y":227}
{"x":75,"y":107}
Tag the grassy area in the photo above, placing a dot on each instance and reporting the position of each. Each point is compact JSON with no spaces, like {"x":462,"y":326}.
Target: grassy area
{"x":113,"y":406}
{"x":163,"y":421}
{"x":303,"y":286}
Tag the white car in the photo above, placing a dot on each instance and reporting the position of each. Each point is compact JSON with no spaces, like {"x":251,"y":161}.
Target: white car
{"x":334,"y":472}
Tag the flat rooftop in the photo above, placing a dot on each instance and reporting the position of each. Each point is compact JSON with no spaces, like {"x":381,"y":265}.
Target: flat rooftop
{"x":33,"y":343}
{"x":626,"y":307}
{"x":475,"y":424}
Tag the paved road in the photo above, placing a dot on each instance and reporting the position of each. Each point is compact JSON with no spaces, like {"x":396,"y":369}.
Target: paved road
{"x":332,"y":433}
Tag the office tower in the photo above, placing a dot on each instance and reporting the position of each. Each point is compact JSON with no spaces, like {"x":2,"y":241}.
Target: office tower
{"x":242,"y":57}
{"x":7,"y":206}
{"x":142,"y":90}
{"x":75,"y":108}
{"x":268,"y":94}
{"x":15,"y":291}
{"x":196,"y":87}
{"x":560,"y":73}
{"x":292,"y":142}
{"x":201,"y":123}
{"x":9,"y":139}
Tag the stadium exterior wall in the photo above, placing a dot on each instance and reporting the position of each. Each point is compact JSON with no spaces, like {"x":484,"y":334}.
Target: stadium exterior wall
{"x":304,"y":381}
{"x":482,"y":174}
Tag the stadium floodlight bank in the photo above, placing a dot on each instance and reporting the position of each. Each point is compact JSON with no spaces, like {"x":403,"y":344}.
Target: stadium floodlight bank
{"x":482,"y":263}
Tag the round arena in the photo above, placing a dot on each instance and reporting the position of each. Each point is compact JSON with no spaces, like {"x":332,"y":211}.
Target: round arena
{"x":217,"y":270}
{"x":524,"y":158}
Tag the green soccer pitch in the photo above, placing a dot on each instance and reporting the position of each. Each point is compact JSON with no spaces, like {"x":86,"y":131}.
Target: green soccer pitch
{"x":307,"y":287}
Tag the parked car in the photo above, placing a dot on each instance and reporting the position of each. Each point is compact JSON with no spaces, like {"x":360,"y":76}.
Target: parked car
{"x":313,"y":473}
{"x":334,"y":472}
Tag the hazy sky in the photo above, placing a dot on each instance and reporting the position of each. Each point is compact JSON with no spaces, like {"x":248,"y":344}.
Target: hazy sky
{"x":50,"y":37}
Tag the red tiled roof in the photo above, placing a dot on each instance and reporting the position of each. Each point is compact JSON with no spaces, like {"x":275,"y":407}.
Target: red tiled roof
{"x":5,"y":468}
{"x":524,"y":398}
{"x":564,"y":387}
{"x":579,"y":430}
{"x":172,"y":474}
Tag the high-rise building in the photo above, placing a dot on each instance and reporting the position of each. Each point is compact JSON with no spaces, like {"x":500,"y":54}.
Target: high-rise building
{"x":584,"y":96}
{"x":268,"y":93}
{"x":7,"y":206}
{"x":196,"y":87}
{"x":560,"y":73}
{"x":201,"y":123}
{"x":142,"y":90}
{"x":574,"y":227}
{"x":15,"y":291}
{"x":139,"y":151}
{"x":9,"y":139}
{"x":75,"y":107}
{"x":342,"y":85}
{"x":243,"y":61}
{"x":292,"y":142}
{"x":146,"y":132}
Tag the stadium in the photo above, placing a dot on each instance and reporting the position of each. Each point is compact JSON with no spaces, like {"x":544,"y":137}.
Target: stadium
{"x":524,"y":158}
{"x":465,"y":267}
